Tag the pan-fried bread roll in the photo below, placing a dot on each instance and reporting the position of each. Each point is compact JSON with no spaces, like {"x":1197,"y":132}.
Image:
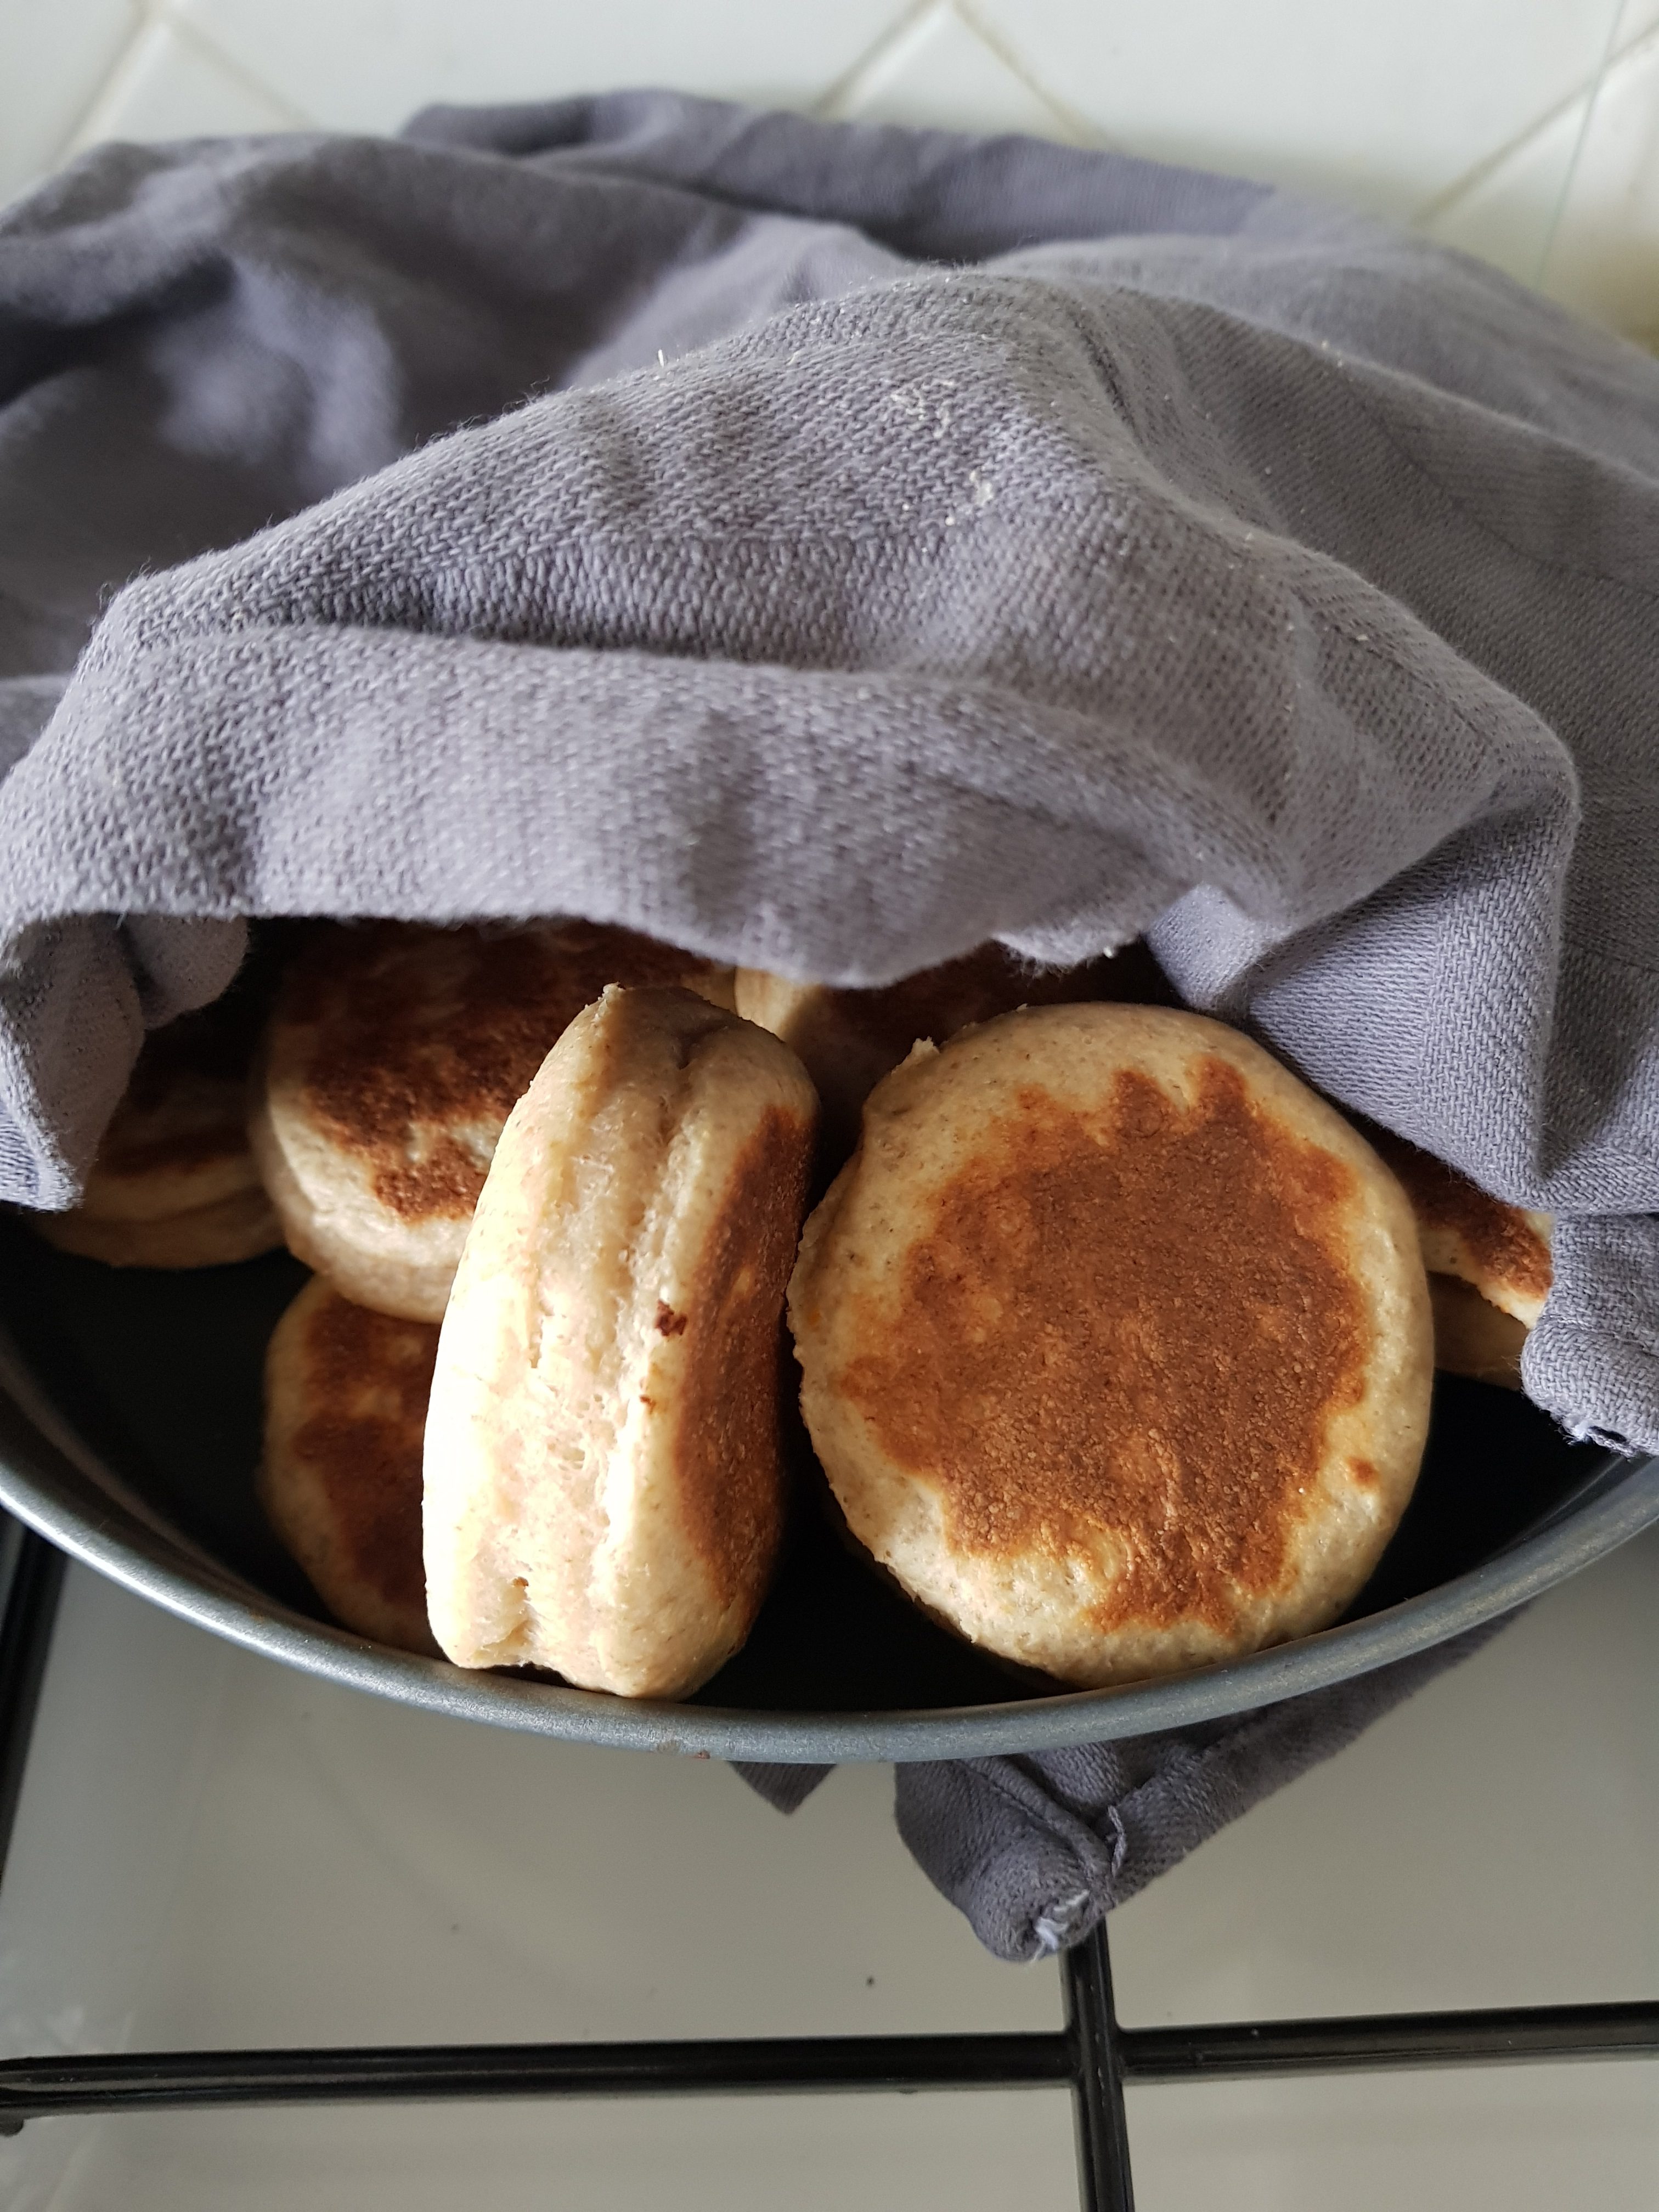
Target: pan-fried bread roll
{"x":394,"y":1056}
{"x":848,"y":1040}
{"x":1115,"y":1342}
{"x":604,"y":1479}
{"x":345,"y":1408}
{"x":175,"y":1184}
{"x":1502,"y":1251}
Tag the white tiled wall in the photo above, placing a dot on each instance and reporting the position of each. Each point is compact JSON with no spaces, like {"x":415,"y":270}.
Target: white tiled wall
{"x":1524,"y":130}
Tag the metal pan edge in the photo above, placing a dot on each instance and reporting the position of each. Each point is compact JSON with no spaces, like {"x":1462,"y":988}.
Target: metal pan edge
{"x":41,"y":1474}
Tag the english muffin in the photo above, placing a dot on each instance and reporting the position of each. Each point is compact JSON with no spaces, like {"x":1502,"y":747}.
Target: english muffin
{"x":175,"y":1184}
{"x":1115,"y":1342}
{"x":848,"y":1040}
{"x":238,"y":1227}
{"x":1502,"y":1251}
{"x":393,"y":1058}
{"x":345,"y":1410}
{"x":603,"y":1473}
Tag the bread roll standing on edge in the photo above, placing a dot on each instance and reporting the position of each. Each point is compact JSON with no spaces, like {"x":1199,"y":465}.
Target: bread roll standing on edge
{"x":604,"y":1477}
{"x":393,"y":1057}
{"x":1115,"y":1342}
{"x":340,"y":1481}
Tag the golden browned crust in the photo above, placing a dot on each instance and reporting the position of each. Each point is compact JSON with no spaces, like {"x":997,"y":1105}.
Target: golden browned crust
{"x":1115,"y":1342}
{"x":977,"y":985}
{"x":415,"y":1033}
{"x":1188,"y":1318}
{"x":186,"y":1123}
{"x":345,"y":1416}
{"x":178,"y":1141}
{"x":389,"y":1067}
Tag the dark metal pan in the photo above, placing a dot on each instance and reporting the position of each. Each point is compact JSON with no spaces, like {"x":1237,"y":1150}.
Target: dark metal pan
{"x":130,"y":1417}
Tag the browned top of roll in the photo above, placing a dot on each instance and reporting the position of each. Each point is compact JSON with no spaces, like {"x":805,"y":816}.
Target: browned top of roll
{"x":172,"y":1121}
{"x":346,"y":1393}
{"x":1228,"y":1255}
{"x":1502,"y":1249}
{"x":416,"y":1029}
{"x":987,"y":981}
{"x":178,"y":1138}
{"x":186,"y":1101}
{"x":850,"y":1039}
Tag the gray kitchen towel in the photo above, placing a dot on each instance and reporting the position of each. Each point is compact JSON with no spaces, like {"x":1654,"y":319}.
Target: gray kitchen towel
{"x":828,"y":547}
{"x":857,"y":542}
{"x":1035,"y":1851}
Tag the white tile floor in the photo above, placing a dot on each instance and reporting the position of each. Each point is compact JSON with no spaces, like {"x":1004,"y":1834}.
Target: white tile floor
{"x":1524,"y":130}
{"x":211,"y":1849}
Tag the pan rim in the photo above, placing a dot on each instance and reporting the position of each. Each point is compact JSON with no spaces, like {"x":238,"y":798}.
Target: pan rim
{"x":1617,"y":1501}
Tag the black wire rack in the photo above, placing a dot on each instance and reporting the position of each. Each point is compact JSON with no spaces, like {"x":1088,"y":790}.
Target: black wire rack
{"x":1092,"y":2055}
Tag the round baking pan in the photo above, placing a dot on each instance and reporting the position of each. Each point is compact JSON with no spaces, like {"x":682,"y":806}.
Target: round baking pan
{"x":130,"y":1417}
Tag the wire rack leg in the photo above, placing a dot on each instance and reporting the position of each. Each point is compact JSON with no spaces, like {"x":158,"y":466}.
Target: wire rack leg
{"x":1105,"y":2181}
{"x":31,"y":1576}
{"x":34,"y":1575}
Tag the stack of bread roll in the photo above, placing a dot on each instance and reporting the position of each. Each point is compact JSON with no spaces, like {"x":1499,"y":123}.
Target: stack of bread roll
{"x":1115,"y":1341}
{"x":1489,"y":1264}
{"x":176,"y":1184}
{"x":394,"y":1068}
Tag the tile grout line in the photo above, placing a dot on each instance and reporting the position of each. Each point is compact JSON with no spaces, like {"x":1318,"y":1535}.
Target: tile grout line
{"x":910,"y":22}
{"x":166,"y":15}
{"x":1077,"y":126}
{"x":904,"y":28}
{"x":157,"y":15}
{"x":1471,"y":180}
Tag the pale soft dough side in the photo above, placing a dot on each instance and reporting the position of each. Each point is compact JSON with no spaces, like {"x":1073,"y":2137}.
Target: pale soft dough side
{"x":557,"y":1452}
{"x":1473,"y":1337}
